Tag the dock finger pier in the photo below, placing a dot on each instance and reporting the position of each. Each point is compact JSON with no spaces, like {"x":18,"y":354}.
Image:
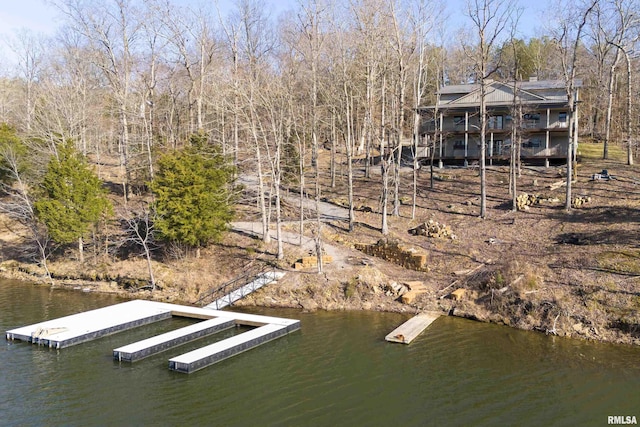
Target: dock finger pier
{"x":90,"y":325}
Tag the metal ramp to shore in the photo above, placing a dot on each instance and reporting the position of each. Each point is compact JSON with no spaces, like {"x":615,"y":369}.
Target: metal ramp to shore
{"x":89,"y":325}
{"x":258,"y":282}
{"x":249,"y":281}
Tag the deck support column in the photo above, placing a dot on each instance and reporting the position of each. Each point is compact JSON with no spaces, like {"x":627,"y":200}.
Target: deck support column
{"x":440,"y":164}
{"x":466,"y":137}
{"x":491,"y":149}
{"x":546,"y":140}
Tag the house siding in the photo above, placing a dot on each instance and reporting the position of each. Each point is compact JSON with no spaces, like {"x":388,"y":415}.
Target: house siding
{"x":543,"y":129}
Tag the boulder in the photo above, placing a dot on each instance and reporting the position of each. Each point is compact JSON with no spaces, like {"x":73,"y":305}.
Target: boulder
{"x":308,"y":304}
{"x":458,"y":294}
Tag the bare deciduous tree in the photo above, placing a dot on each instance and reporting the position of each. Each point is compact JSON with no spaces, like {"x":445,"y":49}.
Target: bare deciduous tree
{"x":490,"y":18}
{"x":110,"y":29}
{"x":18,"y":205}
{"x":140,"y":231}
{"x":569,"y":34}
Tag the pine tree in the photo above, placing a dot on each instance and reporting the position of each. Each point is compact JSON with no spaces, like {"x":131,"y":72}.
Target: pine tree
{"x":11,"y":149}
{"x":193,"y":197}
{"x":73,"y":198}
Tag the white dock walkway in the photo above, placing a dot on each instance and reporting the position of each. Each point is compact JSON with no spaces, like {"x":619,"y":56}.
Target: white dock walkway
{"x":413,"y":327}
{"x":145,"y":348}
{"x":90,"y":325}
{"x":213,"y":353}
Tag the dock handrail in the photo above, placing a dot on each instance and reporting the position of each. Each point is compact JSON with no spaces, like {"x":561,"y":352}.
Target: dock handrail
{"x":250,"y":274}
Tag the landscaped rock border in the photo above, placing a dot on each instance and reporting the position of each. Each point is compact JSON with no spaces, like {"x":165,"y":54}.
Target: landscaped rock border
{"x":392,"y":251}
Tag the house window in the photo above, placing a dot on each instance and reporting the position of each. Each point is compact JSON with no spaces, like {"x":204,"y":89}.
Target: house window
{"x":496,"y":122}
{"x":458,"y":145}
{"x":531,"y":120}
{"x":532,"y":143}
{"x":458,"y":120}
{"x":562,"y":119}
{"x":497,"y":147}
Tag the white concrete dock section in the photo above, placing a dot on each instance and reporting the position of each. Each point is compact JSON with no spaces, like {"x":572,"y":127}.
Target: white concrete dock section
{"x":260,"y":281}
{"x":413,"y":327}
{"x":154,"y":345}
{"x":82,"y":327}
{"x":90,"y":325}
{"x":205,"y":356}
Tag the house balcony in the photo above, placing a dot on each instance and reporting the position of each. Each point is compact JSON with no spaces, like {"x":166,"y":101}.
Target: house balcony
{"x":475,"y":130}
{"x":501,"y":152}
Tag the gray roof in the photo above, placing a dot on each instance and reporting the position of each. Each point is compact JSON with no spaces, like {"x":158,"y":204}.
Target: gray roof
{"x":538,"y":92}
{"x":524,"y":85}
{"x":459,"y":89}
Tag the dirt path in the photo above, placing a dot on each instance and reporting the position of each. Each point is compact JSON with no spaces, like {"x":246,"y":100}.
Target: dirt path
{"x":328,"y":213}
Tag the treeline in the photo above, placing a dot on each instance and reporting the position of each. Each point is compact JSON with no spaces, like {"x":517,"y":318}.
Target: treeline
{"x":126,"y":81}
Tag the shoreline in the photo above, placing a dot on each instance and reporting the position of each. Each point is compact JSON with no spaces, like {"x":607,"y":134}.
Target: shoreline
{"x":268,"y":298}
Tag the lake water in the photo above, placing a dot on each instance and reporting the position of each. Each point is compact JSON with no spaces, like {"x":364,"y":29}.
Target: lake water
{"x":336,"y":371}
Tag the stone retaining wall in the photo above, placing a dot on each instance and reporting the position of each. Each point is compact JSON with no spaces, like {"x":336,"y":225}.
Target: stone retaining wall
{"x":409,"y":258}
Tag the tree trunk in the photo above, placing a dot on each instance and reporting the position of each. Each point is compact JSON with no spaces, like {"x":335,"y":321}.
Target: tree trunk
{"x":266,"y":237}
{"x":384,"y":200}
{"x":414,"y":185}
{"x":368,"y":122}
{"x":80,"y":250}
{"x":385,"y":159}
{"x":333,"y":150}
{"x":401,"y":86}
{"x":147,"y":254}
{"x":483,"y":146}
{"x":349,"y":143}
{"x":568,"y":195}
{"x":628,"y":118}
{"x":612,"y":79}
{"x":123,"y":149}
{"x":301,"y":154}
{"x":513,"y":177}
{"x":280,"y":254}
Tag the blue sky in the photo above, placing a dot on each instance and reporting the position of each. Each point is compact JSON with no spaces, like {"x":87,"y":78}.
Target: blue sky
{"x":32,"y":14}
{"x":41,"y":17}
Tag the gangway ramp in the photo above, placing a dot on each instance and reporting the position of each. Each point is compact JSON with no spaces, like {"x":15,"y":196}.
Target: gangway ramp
{"x":259,"y":281}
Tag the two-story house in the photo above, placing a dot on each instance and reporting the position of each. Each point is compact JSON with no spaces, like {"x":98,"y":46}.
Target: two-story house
{"x":539,"y":111}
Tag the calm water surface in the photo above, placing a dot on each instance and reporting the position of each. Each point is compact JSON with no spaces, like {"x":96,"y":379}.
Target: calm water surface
{"x":336,"y":371}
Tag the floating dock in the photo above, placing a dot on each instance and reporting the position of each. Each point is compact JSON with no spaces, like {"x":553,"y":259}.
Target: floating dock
{"x":94,"y":324}
{"x":91,"y":325}
{"x":150,"y":346}
{"x":413,"y":327}
{"x":213,"y":353}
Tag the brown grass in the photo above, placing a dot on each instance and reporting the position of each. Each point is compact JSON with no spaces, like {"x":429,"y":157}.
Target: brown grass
{"x":580,"y":268}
